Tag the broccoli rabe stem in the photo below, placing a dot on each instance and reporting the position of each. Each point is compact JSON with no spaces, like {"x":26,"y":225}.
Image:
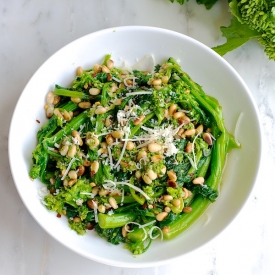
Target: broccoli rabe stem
{"x":115,"y":220}
{"x":200,"y":204}
{"x":70,"y":93}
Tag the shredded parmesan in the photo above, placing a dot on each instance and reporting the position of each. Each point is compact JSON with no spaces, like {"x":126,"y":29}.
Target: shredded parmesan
{"x":95,"y":211}
{"x":150,"y":233}
{"x":111,"y":185}
{"x":68,"y":168}
{"x":139,"y":93}
{"x":142,"y":226}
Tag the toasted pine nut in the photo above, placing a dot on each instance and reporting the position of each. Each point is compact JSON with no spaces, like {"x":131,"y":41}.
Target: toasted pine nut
{"x":165,"y":229}
{"x":167,"y":197}
{"x":156,"y":158}
{"x":146,"y":179}
{"x":162,"y":172}
{"x":156,"y":82}
{"x":154,"y":147}
{"x":100,"y":110}
{"x":63,"y":150}
{"x":108,"y":122}
{"x":105,"y":69}
{"x":94,"y":166}
{"x":161,"y":216}
{"x":171,"y":183}
{"x":110,"y":63}
{"x":167,"y":209}
{"x":130,"y":145}
{"x":49,"y":111}
{"x":176,"y":202}
{"x":172,"y":109}
{"x":97,"y":68}
{"x":178,"y":115}
{"x":187,"y":209}
{"x":91,"y":203}
{"x":198,"y":180}
{"x":165,"y":79}
{"x":103,"y":145}
{"x":124,"y":230}
{"x":141,"y":154}
{"x":172,"y":175}
{"x":152,"y":175}
{"x":138,"y":174}
{"x":71,"y":182}
{"x":109,"y":139}
{"x":101,"y":208}
{"x":92,"y":142}
{"x":138,"y":120}
{"x":79,"y":71}
{"x":117,"y":134}
{"x":72,"y":151}
{"x":72,"y":175}
{"x":95,"y":190}
{"x":94,"y":91}
{"x":84,"y":104}
{"x":57,"y":113}
{"x":75,"y":100}
{"x":113,"y":202}
{"x":189,"y":147}
{"x":118,"y":101}
{"x":199,"y":129}
{"x":103,"y":192}
{"x":56,"y":99}
{"x":207,"y":138}
{"x":81,"y":170}
{"x":190,"y":132}
{"x":50,"y":98}
{"x":76,"y":219}
{"x":67,"y":116}
{"x":186,"y":193}
{"x":76,"y":135}
{"x":86,"y":163}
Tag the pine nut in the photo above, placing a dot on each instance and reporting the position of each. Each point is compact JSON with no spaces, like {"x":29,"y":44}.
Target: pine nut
{"x":103,"y":145}
{"x":117,"y":134}
{"x":86,"y":163}
{"x":113,"y":202}
{"x":156,"y":158}
{"x":71,"y":182}
{"x":95,"y":190}
{"x":172,"y":175}
{"x":176,"y":202}
{"x":130,"y":145}
{"x":64,"y":150}
{"x":178,"y":115}
{"x":97,"y":68}
{"x":138,"y":120}
{"x":76,"y":219}
{"x":146,"y":179}
{"x":49,"y":111}
{"x":108,"y":122}
{"x":67,"y":115}
{"x":161,"y":216}
{"x":109,"y":139}
{"x":94,"y":167}
{"x":172,"y":109}
{"x":162,"y":172}
{"x":207,"y":138}
{"x":165,"y":229}
{"x":185,"y":193}
{"x":72,"y":151}
{"x":57,"y":113}
{"x":75,"y":100}
{"x":56,"y":99}
{"x":154,"y":147}
{"x":101,"y":208}
{"x":117,"y":101}
{"x":50,"y":98}
{"x":103,"y":192}
{"x":167,"y":209}
{"x":190,"y":132}
{"x":138,"y":174}
{"x":187,"y":209}
{"x":165,"y":79}
{"x":124,"y":230}
{"x":110,"y":63}
{"x":171,"y":183}
{"x":81,"y":170}
{"x":189,"y":147}
{"x":199,"y":180}
{"x":151,"y":174}
{"x":94,"y":91}
{"x":141,"y":154}
{"x":79,"y":71}
{"x":167,"y":197}
{"x":156,"y":82}
{"x":84,"y":104}
{"x":105,"y":69}
{"x":199,"y":129}
{"x":100,"y":110}
{"x":72,"y":175}
{"x":76,"y":135}
{"x":92,"y":142}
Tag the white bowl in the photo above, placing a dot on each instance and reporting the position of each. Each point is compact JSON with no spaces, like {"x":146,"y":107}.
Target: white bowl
{"x":132,"y":43}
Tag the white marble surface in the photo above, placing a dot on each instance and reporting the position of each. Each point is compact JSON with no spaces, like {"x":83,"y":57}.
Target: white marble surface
{"x":30,"y":32}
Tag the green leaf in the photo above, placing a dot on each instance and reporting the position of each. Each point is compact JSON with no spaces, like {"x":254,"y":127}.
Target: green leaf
{"x":236,"y":34}
{"x":208,"y":3}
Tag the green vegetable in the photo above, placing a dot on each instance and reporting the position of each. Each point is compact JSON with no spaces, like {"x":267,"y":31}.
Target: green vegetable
{"x":251,"y":19}
{"x":127,"y":165}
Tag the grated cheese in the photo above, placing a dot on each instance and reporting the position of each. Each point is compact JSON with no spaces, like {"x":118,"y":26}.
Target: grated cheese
{"x":68,"y":168}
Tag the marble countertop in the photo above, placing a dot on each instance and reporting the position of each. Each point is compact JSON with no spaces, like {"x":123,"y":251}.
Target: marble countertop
{"x":30,"y":32}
